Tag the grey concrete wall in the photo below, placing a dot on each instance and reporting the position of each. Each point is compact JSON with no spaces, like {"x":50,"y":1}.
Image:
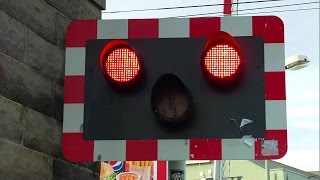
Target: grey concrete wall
{"x":32,"y":53}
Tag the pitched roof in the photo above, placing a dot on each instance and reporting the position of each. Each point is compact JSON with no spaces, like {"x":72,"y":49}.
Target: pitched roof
{"x":277,"y":165}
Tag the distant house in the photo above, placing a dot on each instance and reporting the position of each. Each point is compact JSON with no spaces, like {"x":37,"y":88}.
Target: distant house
{"x":249,"y":170}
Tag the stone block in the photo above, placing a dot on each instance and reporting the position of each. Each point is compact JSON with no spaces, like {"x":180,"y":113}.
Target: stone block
{"x":12,"y":36}
{"x":19,"y":83}
{"x":94,"y":166}
{"x":19,"y":162}
{"x":58,"y":103}
{"x":44,"y":57}
{"x":100,"y":3}
{"x":89,"y":10}
{"x":11,"y":122}
{"x":69,"y":8}
{"x":61,"y":27}
{"x":37,"y":15}
{"x":42,"y":133}
{"x":65,"y":171}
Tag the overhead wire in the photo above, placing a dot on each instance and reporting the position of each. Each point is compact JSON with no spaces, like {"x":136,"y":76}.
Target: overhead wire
{"x":257,"y":8}
{"x":288,"y":10}
{"x":192,"y":6}
{"x":260,"y":12}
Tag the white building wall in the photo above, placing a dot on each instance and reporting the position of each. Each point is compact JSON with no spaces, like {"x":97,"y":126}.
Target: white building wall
{"x":246,"y":170}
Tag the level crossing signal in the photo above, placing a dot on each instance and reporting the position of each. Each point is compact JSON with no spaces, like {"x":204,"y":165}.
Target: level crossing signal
{"x":175,"y":89}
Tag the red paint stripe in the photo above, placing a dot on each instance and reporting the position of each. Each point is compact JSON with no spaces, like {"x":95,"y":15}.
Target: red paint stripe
{"x":143,"y":28}
{"x":74,"y":89}
{"x":275,"y":86}
{"x":205,"y":149}
{"x":141,"y":150}
{"x":161,"y":170}
{"x":227,"y":7}
{"x":204,"y":27}
{"x":281,"y":136}
{"x":270,"y":27}
{"x":79,"y":31}
{"x":75,"y":148}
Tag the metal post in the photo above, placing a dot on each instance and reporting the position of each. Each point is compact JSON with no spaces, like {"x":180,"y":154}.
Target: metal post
{"x":227,"y":7}
{"x":221,"y":170}
{"x":237,"y":7}
{"x":216,"y":166}
{"x":177,"y":170}
{"x":267,"y":170}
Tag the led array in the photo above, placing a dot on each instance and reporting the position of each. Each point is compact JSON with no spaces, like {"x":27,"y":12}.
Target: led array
{"x":222,"y":61}
{"x":122,"y":65}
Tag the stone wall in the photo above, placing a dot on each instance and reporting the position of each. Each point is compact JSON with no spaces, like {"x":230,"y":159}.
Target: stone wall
{"x":32,"y":53}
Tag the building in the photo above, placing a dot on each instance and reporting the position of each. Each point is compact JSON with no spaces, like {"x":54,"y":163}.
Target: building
{"x":249,"y":170}
{"x":32,"y":58}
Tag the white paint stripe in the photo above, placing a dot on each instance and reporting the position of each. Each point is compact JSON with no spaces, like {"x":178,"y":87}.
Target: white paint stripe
{"x":174,"y":28}
{"x":173,"y":149}
{"x":276,"y":114}
{"x":274,"y":58}
{"x":112,"y":29}
{"x":110,"y":150}
{"x":235,"y":149}
{"x":237,"y":26}
{"x":75,"y":61}
{"x":72,"y":118}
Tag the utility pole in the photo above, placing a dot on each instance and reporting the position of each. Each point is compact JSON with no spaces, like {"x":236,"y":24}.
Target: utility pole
{"x":267,"y":169}
{"x":227,"y":10}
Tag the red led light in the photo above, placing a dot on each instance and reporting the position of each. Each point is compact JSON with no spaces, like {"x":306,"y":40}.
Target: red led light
{"x":122,"y":65}
{"x":222,"y":61}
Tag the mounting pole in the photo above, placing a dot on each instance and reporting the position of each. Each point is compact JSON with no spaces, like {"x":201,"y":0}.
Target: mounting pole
{"x":218,"y":169}
{"x":217,"y":166}
{"x":267,"y":169}
{"x":227,"y":7}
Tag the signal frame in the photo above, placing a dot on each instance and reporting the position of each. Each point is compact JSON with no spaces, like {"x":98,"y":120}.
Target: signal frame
{"x":76,"y":148}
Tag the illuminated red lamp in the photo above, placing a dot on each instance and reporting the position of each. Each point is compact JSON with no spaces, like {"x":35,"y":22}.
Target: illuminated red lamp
{"x":120,"y":63}
{"x":221,"y":60}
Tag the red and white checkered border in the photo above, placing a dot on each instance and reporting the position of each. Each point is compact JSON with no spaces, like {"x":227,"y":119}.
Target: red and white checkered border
{"x":77,"y":149}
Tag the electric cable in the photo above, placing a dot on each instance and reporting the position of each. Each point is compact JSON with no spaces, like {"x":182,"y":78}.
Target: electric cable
{"x":192,"y":6}
{"x":288,"y":10}
{"x":258,"y":8}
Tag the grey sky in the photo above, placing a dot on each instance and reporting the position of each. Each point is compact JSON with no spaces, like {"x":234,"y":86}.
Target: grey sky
{"x":301,"y":37}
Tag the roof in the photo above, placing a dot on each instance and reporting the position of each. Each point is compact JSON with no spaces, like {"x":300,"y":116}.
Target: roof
{"x":315,"y":172}
{"x":277,"y":165}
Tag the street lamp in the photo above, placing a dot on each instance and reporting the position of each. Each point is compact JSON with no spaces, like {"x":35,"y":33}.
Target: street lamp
{"x":296,"y":62}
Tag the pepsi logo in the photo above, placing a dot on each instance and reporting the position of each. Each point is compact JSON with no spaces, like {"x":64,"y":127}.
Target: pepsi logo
{"x":117,"y":165}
